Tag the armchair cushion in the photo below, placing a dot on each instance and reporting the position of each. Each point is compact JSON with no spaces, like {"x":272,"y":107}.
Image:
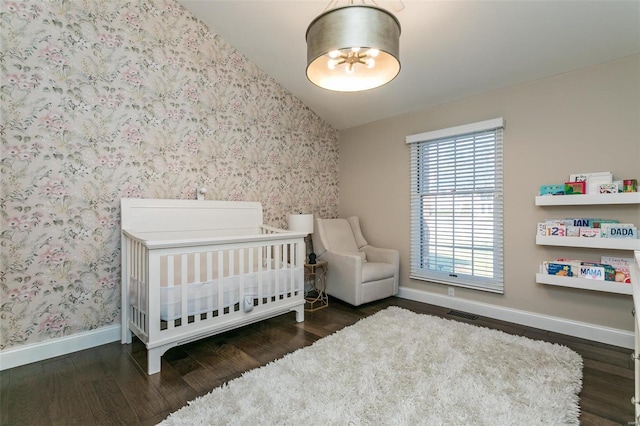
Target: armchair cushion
{"x":339,"y":233}
{"x":374,"y":271}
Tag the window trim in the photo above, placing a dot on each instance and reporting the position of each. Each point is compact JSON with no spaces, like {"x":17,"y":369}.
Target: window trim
{"x":496,"y":284}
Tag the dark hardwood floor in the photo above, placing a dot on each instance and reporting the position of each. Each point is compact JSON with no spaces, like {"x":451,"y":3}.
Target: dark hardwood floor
{"x":109,"y":385}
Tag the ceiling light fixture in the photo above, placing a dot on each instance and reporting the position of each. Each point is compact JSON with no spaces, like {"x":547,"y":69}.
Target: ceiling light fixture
{"x":353,"y":48}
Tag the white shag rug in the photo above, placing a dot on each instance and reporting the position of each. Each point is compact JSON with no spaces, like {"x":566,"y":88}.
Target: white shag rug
{"x":401,"y":368}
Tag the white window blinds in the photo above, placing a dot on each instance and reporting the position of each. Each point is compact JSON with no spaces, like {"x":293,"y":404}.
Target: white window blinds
{"x":456,"y":206}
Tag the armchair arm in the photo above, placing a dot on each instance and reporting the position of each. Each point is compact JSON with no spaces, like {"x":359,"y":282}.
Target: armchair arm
{"x":376,"y":254}
{"x":344,"y":276}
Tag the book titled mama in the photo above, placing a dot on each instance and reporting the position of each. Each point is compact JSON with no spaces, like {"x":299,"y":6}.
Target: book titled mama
{"x":607,"y":272}
{"x":591,"y":272}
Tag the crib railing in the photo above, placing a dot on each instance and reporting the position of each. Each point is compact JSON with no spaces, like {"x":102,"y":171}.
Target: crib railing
{"x":171,"y":289}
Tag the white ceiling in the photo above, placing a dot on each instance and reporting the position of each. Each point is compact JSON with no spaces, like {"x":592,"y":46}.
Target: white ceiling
{"x":448,"y":49}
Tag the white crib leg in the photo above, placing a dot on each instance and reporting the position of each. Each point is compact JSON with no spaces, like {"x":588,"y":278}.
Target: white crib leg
{"x":124,"y":321}
{"x":154,"y":357}
{"x":126,"y":335}
{"x":300,"y":313}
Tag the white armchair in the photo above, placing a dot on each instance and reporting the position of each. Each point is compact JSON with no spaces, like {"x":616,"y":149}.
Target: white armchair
{"x":358,"y":273}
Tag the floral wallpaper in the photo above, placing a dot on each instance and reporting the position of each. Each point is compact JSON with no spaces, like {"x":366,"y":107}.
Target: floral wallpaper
{"x":104,"y":99}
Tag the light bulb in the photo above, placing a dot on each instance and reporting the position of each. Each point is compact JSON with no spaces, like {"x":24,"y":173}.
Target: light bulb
{"x":373,"y":53}
{"x":370,"y":62}
{"x":355,"y":49}
{"x":331,"y":63}
{"x":334,"y":54}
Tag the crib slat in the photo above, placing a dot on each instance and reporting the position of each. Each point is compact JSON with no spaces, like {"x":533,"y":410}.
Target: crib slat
{"x":241,"y":278}
{"x":220,"y":283}
{"x":197,"y":276}
{"x":294,"y":250}
{"x":184,"y":290}
{"x":285,"y":269}
{"x":276,"y":275}
{"x":170,"y":294}
{"x":260,"y":274}
{"x":269,"y":269}
{"x":209,"y":261}
{"x":287,"y":266}
{"x":250,"y":269}
{"x":231,"y":273}
{"x":289,"y":269}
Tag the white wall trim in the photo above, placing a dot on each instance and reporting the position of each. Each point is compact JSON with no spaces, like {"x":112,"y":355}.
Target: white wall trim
{"x":583,"y":330}
{"x":480,"y":126}
{"x":26,"y":354}
{"x":22,"y":355}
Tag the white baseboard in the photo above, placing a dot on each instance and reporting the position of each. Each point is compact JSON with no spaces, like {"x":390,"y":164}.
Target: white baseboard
{"x":22,"y":355}
{"x":597,"y":333}
{"x":26,"y":354}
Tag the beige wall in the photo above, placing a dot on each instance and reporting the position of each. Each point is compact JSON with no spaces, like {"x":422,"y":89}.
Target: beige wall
{"x":587,"y":120}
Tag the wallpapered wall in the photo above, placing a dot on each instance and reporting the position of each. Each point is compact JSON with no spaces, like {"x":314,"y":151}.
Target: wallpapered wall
{"x":106,"y":99}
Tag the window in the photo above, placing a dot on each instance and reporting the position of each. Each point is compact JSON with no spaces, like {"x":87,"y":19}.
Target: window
{"x":456,"y":206}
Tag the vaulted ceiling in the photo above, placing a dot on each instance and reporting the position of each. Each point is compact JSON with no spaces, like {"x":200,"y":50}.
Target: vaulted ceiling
{"x":448,"y":49}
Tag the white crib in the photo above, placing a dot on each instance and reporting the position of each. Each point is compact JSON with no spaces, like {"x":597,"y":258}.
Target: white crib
{"x":191,"y":269}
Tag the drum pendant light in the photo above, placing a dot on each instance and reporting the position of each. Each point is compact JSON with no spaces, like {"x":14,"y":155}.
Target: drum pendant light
{"x":353,"y":48}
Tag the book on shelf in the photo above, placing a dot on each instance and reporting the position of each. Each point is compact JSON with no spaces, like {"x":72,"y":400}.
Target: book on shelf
{"x":592,"y":180}
{"x":622,"y":265}
{"x":597,"y":271}
{"x":588,"y":228}
{"x":558,"y":268}
{"x":604,"y":270}
{"x":619,"y":230}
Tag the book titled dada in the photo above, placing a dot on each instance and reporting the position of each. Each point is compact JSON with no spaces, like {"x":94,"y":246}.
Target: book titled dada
{"x":619,"y":230}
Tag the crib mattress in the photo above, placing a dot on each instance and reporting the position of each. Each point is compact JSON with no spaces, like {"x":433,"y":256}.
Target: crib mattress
{"x":203,"y":296}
